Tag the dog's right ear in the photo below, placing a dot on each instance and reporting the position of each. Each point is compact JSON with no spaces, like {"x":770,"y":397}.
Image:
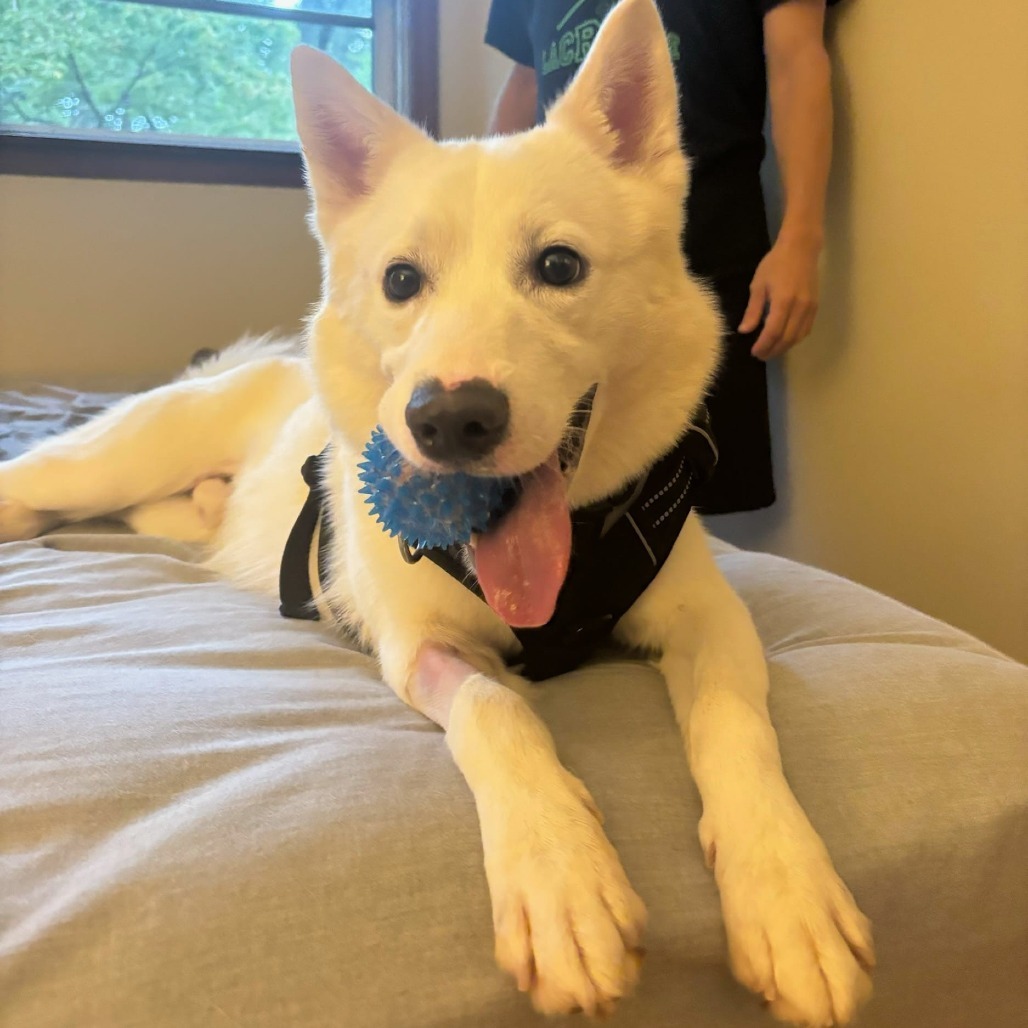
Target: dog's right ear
{"x":624,"y":100}
{"x":349,"y":136}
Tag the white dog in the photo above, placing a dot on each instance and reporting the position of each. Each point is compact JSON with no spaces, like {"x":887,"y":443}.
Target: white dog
{"x":499,"y":282}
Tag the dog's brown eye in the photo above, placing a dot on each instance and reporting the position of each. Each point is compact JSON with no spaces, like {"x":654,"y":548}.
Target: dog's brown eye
{"x":402,"y":281}
{"x":559,"y":266}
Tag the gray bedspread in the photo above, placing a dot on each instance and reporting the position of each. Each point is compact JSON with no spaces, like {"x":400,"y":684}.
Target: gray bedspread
{"x":213,"y":816}
{"x":28,"y":415}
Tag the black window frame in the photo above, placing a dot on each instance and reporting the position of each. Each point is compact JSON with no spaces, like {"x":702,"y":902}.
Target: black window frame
{"x":44,"y":152}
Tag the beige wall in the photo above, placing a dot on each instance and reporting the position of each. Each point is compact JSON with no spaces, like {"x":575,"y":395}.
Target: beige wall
{"x":900,"y":426}
{"x":124,"y":281}
{"x":472,"y":74}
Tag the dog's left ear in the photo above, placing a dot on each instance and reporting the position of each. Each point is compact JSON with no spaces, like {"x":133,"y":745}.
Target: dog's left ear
{"x":349,"y":136}
{"x":624,"y":99}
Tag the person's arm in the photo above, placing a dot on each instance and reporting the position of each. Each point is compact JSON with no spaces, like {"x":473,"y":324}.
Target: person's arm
{"x":515,"y":106}
{"x":799,"y":87}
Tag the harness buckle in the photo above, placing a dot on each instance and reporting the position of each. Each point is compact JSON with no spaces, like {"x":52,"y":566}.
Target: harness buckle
{"x":410,"y":556}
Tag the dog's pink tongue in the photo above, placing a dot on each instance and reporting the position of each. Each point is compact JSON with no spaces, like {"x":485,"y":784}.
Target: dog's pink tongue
{"x":522,"y":562}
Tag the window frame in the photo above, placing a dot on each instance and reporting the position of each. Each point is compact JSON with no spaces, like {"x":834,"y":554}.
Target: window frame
{"x":410,"y":69}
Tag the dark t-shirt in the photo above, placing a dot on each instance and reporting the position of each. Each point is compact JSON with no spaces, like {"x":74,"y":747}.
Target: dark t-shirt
{"x":718,"y":50}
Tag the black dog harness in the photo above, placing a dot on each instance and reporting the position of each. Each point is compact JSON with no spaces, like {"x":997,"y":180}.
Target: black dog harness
{"x":618,"y":546}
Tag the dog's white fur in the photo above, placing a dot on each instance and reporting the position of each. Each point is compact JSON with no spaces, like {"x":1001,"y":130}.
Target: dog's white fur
{"x":604,"y":175}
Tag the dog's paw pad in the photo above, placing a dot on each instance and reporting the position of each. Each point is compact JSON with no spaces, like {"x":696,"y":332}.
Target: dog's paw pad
{"x":210,"y":497}
{"x":20,"y":522}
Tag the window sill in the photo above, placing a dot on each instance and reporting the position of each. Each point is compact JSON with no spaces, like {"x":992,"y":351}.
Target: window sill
{"x":183,"y":159}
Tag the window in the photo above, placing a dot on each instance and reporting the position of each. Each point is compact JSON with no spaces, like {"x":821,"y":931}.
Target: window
{"x":194,"y":90}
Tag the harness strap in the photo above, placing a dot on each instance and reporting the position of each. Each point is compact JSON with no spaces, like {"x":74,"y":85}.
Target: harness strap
{"x":618,"y":547}
{"x":294,"y":578}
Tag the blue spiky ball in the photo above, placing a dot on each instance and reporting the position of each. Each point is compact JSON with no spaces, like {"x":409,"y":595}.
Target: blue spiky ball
{"x":428,"y":510}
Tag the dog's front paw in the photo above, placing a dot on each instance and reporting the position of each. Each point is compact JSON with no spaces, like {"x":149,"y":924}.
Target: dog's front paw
{"x":568,"y":923}
{"x":795,"y":933}
{"x":17,"y":521}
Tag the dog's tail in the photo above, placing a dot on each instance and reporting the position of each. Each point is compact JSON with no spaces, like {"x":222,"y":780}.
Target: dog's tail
{"x":207,"y":362}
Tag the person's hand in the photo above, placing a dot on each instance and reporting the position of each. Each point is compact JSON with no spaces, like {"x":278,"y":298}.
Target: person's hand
{"x":786,"y":286}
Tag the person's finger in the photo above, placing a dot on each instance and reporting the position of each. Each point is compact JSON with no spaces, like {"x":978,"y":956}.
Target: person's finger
{"x":777,"y":319}
{"x":793,"y":331}
{"x":806,"y":325}
{"x":755,"y":308}
{"x":806,"y":322}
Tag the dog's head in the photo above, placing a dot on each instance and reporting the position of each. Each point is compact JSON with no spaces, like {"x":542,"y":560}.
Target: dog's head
{"x":475,"y":293}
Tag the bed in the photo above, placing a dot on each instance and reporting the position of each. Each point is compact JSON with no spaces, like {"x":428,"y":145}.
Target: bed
{"x":210,"y":815}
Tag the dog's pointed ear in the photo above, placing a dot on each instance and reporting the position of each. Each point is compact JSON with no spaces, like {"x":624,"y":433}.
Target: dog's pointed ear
{"x":624,"y":99}
{"x":349,"y":136}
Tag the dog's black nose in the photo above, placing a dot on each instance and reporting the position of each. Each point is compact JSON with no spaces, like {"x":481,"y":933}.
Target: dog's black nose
{"x":462,"y":424}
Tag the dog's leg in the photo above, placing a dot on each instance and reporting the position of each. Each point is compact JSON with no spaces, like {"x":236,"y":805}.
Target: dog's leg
{"x":148,"y":447}
{"x":567,"y":922}
{"x":191,"y":518}
{"x":795,"y":934}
